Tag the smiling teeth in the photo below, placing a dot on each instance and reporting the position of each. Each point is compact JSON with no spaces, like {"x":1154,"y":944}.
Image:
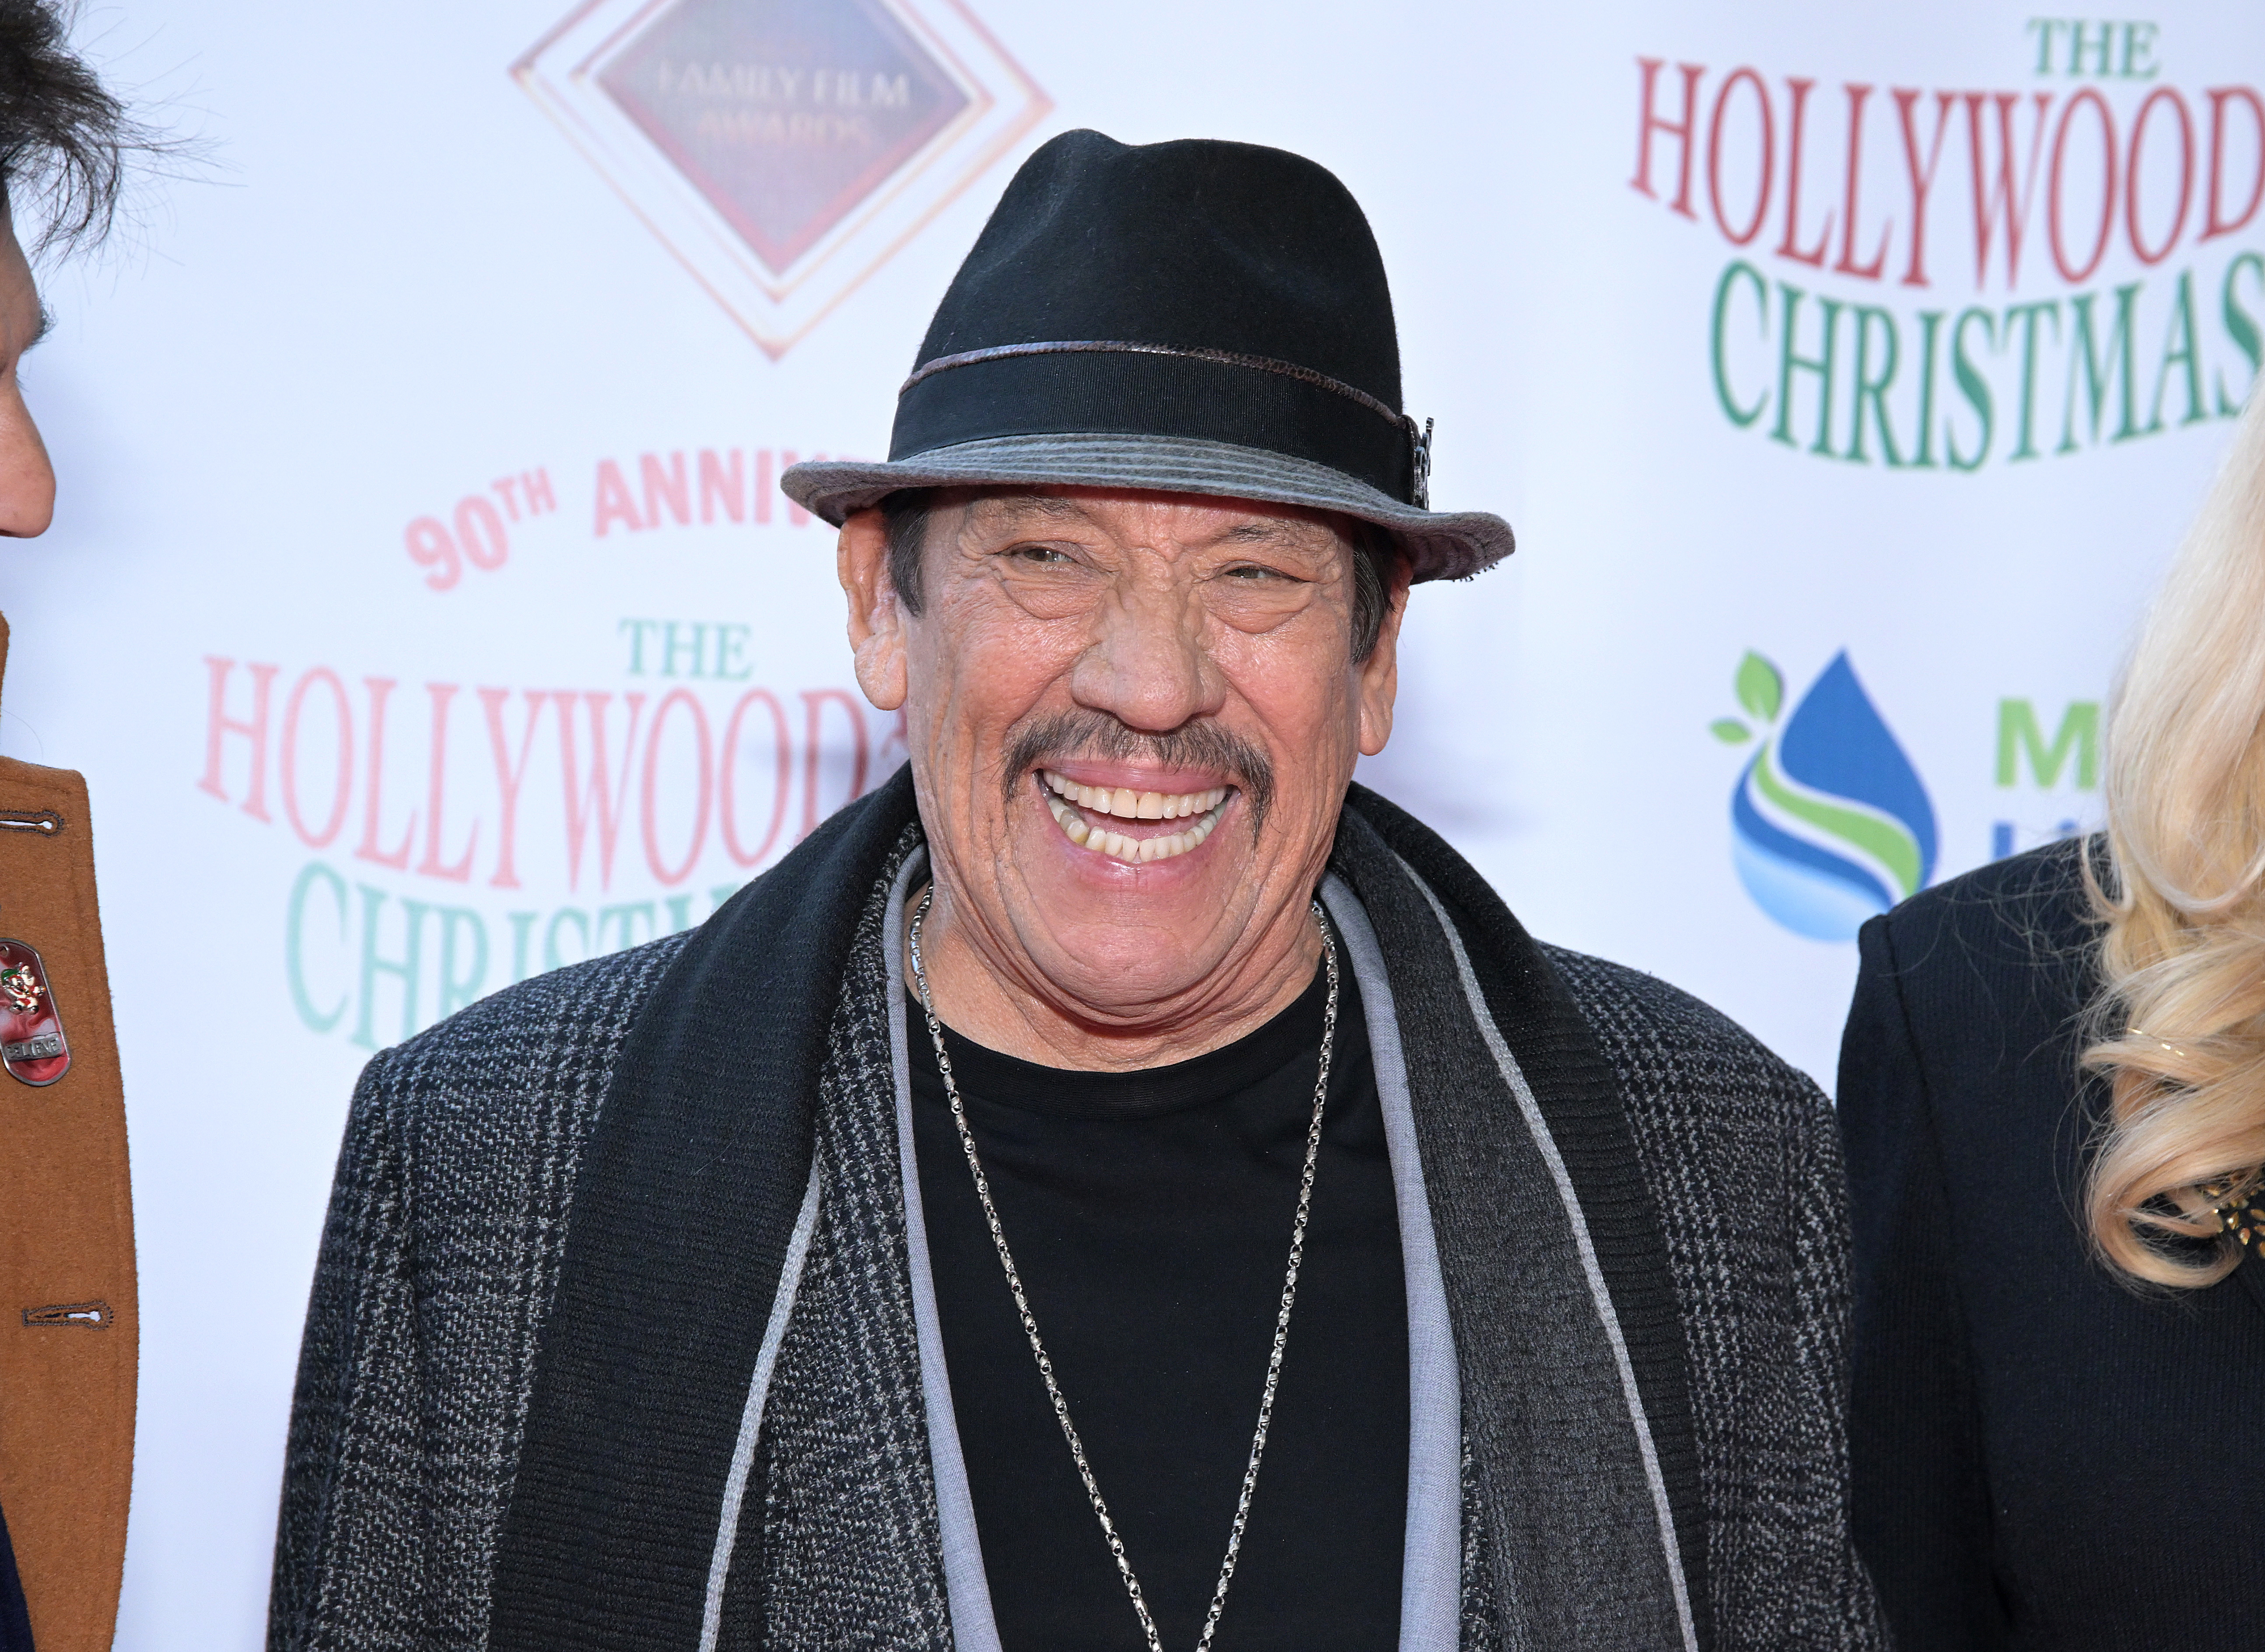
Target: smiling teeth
{"x":1126,"y":804}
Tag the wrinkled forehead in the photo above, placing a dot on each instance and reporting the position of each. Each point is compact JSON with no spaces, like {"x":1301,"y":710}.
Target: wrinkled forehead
{"x":1139,"y":515}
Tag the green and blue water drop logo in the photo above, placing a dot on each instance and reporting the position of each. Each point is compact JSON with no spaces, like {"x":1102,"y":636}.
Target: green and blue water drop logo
{"x":1829,"y":824}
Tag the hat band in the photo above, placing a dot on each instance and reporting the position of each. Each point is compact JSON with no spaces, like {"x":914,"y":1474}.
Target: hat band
{"x":1121,"y":387}
{"x":1090,"y":346}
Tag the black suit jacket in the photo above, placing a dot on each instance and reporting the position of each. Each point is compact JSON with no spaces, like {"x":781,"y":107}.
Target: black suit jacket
{"x":15,"y":1616}
{"x":2043,"y":1455}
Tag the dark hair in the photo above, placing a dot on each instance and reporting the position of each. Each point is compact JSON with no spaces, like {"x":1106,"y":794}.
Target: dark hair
{"x":63,"y":135}
{"x":905,"y":513}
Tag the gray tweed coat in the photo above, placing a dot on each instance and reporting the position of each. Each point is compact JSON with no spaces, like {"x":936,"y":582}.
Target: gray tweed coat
{"x":612,"y":1343}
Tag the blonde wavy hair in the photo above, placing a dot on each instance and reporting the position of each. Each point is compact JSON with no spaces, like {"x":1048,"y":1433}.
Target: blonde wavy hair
{"x":2178,"y":1026}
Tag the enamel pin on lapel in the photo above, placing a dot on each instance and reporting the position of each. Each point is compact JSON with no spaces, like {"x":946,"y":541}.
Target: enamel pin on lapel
{"x":32,"y":1045}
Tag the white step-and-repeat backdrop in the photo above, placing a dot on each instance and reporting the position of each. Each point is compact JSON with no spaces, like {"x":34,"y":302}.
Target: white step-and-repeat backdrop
{"x":422,"y":611}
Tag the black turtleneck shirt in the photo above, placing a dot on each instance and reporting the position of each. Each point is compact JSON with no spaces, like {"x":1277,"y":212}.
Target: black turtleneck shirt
{"x":1150,"y":1214}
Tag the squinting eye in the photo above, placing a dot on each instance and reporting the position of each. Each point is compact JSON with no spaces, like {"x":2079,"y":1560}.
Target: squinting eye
{"x":1043,"y":554}
{"x":1252,"y":572}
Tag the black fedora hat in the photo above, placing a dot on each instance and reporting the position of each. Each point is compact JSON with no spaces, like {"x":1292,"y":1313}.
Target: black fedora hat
{"x":1196,"y":317}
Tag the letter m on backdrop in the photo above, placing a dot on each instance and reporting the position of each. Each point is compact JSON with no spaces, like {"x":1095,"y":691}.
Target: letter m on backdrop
{"x":2078,"y":737}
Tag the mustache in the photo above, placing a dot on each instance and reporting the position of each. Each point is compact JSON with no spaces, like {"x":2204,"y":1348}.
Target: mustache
{"x":1095,"y":734}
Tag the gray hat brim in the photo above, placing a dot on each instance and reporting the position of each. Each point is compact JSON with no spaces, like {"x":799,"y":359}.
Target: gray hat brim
{"x":1439,"y":544}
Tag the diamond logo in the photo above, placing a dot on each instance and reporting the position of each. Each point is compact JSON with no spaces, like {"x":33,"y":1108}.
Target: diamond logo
{"x":784,"y":149}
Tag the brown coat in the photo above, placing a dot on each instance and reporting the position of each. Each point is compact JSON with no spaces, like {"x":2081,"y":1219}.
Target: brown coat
{"x":68,"y":1318}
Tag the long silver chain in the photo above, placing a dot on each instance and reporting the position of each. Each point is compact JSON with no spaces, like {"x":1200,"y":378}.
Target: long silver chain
{"x":1030,"y":1323}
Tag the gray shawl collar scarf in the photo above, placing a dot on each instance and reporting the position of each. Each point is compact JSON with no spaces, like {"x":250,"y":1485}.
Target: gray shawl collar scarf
{"x":699,"y":1192}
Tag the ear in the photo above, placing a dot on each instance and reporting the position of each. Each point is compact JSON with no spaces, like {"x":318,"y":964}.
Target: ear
{"x":1379,"y":673}
{"x":877,"y":618}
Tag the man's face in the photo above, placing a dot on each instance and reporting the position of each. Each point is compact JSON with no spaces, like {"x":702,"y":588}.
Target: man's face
{"x":1132,"y":717}
{"x":27,"y":481}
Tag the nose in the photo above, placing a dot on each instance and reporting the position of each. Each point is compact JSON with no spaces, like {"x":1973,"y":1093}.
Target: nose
{"x":27,"y":480}
{"x":1148,"y":665}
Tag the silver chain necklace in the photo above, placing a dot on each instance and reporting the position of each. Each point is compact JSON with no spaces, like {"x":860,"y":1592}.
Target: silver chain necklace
{"x":1030,"y":1323}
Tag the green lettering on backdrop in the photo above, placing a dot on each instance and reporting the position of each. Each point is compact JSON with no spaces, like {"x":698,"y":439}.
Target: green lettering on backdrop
{"x":1930,"y":323}
{"x":2016,"y":352}
{"x":2179,"y":346}
{"x":1873,"y":391}
{"x":1790,"y":361}
{"x":687,"y":643}
{"x":465,"y":948}
{"x":1741,"y":417}
{"x":2240,"y":325}
{"x":552,"y":958}
{"x":1974,"y":388}
{"x":2019,"y":733}
{"x":521,"y":924}
{"x":2026,"y":447}
{"x":408,"y":967}
{"x":458,"y":989}
{"x":633,"y":923}
{"x":2098,"y":368}
{"x":295,"y":956}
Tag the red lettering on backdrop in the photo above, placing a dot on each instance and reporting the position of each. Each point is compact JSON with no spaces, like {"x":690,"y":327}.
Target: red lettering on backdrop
{"x":480,"y":530}
{"x":814,"y":702}
{"x":442,"y":693}
{"x":729,"y":820}
{"x":1715,"y":157}
{"x":342,"y":798}
{"x":1649,"y":123}
{"x":432,"y":546}
{"x":509,"y":775}
{"x":607,"y":799}
{"x":649,"y":811}
{"x":1814,"y":256}
{"x":719,"y":484}
{"x":219,"y":724}
{"x":665,"y":485}
{"x":2219,"y":97}
{"x":796,"y":516}
{"x":615,"y":504}
{"x":2106,"y":188}
{"x":1847,"y":265}
{"x":596,"y":795}
{"x":380,"y":687}
{"x":1921,"y":178}
{"x":2186,"y":174}
{"x":2006,"y":163}
{"x":1997,"y":203}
